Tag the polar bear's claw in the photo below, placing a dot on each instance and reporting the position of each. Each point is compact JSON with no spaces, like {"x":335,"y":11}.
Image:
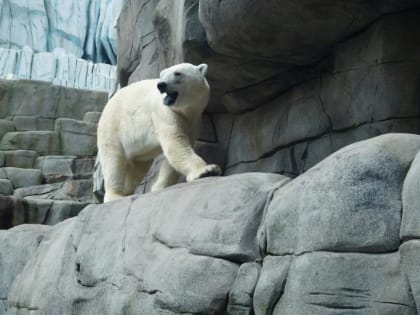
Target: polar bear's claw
{"x":210,"y":170}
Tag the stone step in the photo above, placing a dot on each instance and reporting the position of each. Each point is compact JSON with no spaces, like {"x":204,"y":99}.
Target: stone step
{"x":5,"y":127}
{"x":33,"y":123}
{"x":15,"y":211}
{"x":6,"y":187}
{"x":72,"y":190}
{"x":21,"y":177}
{"x":77,"y":137}
{"x":43,"y":142}
{"x":56,"y":168}
{"x":92,"y":117}
{"x":18,"y":158}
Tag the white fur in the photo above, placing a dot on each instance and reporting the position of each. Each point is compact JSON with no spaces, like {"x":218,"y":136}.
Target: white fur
{"x":136,"y":126}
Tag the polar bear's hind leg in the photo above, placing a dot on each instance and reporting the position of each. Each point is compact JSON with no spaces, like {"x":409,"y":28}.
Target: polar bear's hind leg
{"x":136,"y":171}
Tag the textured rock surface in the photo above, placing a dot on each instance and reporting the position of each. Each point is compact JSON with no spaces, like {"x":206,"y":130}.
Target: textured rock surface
{"x":71,"y":44}
{"x":331,"y":73}
{"x":46,"y":151}
{"x":82,"y":28}
{"x":22,"y":241}
{"x":57,"y":67}
{"x":234,"y":245}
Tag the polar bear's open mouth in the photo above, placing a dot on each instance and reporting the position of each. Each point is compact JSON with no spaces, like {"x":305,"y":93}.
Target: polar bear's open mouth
{"x":170,"y":98}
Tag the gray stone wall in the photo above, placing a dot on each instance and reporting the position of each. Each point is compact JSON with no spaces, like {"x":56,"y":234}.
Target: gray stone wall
{"x":289,"y":86}
{"x":342,"y":238}
{"x":47,"y":151}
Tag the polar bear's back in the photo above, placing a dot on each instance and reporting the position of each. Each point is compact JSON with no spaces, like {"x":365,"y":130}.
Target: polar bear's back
{"x":127,"y":117}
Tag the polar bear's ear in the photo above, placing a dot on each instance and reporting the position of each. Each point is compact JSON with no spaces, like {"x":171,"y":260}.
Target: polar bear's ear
{"x":203,"y":68}
{"x":162,"y":73}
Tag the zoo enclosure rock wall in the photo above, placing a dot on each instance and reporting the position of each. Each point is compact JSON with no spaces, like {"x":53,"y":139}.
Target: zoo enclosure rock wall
{"x":331,"y":241}
{"x":47,"y":151}
{"x":71,"y":43}
{"x":290,"y":83}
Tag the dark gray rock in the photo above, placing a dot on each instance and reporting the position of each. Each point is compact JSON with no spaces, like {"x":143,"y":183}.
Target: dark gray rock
{"x":6,"y":187}
{"x":71,"y":190}
{"x":28,"y":123}
{"x":6,"y":211}
{"x":20,"y":158}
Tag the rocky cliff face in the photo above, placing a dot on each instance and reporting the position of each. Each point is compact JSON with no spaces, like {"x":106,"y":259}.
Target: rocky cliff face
{"x":71,"y":43}
{"x":332,"y":240}
{"x":291,"y":83}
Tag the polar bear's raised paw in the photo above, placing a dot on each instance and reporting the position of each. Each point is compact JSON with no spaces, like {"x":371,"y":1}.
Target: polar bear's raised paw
{"x":207,"y":171}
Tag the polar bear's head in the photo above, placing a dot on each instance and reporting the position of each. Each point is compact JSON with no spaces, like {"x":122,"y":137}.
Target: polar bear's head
{"x":182,"y":83}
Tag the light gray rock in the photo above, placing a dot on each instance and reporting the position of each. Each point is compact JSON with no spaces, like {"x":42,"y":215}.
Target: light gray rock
{"x":6,"y":187}
{"x":17,"y":245}
{"x":410,"y":225}
{"x":21,"y":177}
{"x":345,"y":283}
{"x":76,"y":137}
{"x":355,"y":195}
{"x":241,"y":294}
{"x":92,"y":117}
{"x":55,"y":164}
{"x":43,"y":142}
{"x":185,"y":267}
{"x":84,"y":29}
{"x":271,"y":283}
{"x":410,"y":255}
{"x":20,"y":158}
{"x":6,"y":126}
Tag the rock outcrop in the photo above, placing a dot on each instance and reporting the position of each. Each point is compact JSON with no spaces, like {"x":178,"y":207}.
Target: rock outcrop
{"x":291,"y":83}
{"x":329,"y":241}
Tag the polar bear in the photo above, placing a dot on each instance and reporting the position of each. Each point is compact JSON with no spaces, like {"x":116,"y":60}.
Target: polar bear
{"x":147,"y":118}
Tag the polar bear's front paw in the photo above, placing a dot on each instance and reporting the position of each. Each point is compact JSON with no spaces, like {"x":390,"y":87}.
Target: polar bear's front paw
{"x":208,"y":170}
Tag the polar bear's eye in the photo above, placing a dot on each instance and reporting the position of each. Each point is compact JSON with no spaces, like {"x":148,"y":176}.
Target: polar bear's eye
{"x":177,"y":74}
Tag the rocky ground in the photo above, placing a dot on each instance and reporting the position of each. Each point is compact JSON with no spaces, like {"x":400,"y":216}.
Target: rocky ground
{"x":342,"y":238}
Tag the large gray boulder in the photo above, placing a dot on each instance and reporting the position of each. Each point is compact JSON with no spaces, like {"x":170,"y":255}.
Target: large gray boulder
{"x":16,"y":247}
{"x":327,"y":242}
{"x":180,"y":261}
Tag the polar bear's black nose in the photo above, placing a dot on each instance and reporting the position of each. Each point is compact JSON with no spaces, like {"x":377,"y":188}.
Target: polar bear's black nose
{"x":162,"y":86}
